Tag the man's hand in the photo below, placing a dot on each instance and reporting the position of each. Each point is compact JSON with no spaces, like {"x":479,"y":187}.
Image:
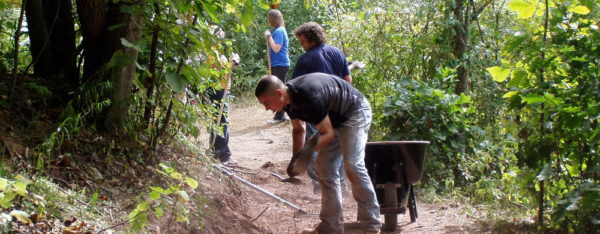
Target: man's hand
{"x":267,"y":33}
{"x":235,"y":59}
{"x":290,"y":167}
{"x":300,"y":160}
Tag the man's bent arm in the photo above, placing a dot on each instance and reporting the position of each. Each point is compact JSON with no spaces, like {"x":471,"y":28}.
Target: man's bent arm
{"x":298,"y":134}
{"x":327,"y":133}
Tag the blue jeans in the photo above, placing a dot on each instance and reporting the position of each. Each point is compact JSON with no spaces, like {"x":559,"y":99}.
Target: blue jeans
{"x":351,"y":140}
{"x":311,"y":171}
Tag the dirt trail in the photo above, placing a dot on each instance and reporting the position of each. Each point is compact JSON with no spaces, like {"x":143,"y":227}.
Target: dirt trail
{"x":255,"y":143}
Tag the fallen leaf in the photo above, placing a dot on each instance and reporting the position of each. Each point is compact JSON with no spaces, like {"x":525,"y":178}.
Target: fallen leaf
{"x":20,"y":215}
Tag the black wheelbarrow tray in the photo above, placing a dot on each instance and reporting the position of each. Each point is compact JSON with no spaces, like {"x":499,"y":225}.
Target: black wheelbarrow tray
{"x":394,"y":166}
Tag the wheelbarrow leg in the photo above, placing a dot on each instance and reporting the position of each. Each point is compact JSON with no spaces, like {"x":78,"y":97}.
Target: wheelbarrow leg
{"x":412,"y":205}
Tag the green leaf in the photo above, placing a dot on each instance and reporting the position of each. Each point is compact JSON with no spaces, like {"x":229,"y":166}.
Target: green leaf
{"x":533,"y":99}
{"x":120,"y":59}
{"x":126,"y":43}
{"x":463,"y":99}
{"x":191,"y":182}
{"x":23,"y":179}
{"x":22,"y":216}
{"x":20,"y":188}
{"x":176,"y":82}
{"x":246,"y":17}
{"x":582,"y":10}
{"x":524,"y":9}
{"x":518,"y":79}
{"x":158,"y":211}
{"x":181,"y":218}
{"x":142,"y":206}
{"x":510,"y":94}
{"x":553,"y":100}
{"x":183,"y":195}
{"x":157,"y":189}
{"x":154,"y":195}
{"x":498,"y":74}
{"x":210,"y":9}
{"x":3,"y":184}
{"x":176,"y":175}
{"x":6,"y":198}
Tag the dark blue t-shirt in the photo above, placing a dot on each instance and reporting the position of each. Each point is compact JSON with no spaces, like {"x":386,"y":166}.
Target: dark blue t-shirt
{"x":316,"y":95}
{"x":323,"y":58}
{"x":281,"y":58}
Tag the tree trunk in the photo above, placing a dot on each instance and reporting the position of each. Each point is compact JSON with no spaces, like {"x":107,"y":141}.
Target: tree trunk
{"x":461,"y":41}
{"x":121,"y":76}
{"x":38,"y":37}
{"x":52,"y":37}
{"x":149,"y":83}
{"x":92,"y":20}
{"x":61,"y":28}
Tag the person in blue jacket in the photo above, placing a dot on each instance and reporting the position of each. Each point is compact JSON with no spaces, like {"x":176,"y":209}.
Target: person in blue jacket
{"x":278,"y":51}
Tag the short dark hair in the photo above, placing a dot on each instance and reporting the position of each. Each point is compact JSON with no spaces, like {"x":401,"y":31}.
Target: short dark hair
{"x":267,"y":84}
{"x":312,"y":31}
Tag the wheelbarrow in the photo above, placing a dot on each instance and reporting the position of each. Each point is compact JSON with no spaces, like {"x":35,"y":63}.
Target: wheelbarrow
{"x":394,"y":166}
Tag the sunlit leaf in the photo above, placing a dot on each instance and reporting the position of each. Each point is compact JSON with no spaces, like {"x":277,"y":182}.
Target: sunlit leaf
{"x":157,"y":189}
{"x":533,"y":99}
{"x":6,"y":199}
{"x":499,"y":74}
{"x":3,"y":184}
{"x":582,"y":10}
{"x":22,"y":216}
{"x":463,"y":99}
{"x":191,"y":182}
{"x":23,"y":179}
{"x":20,"y":188}
{"x":510,"y":94}
{"x":181,"y":218}
{"x":523,"y":8}
{"x":142,"y":206}
{"x":176,"y":175}
{"x":154,"y":195}
{"x":158,"y":211}
{"x":246,"y":18}
{"x":518,"y":79}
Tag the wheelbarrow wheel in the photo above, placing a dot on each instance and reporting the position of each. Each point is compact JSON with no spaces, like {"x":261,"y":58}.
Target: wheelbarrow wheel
{"x":390,"y":200}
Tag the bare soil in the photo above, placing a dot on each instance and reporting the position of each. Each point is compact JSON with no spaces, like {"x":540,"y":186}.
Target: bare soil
{"x":260,"y":148}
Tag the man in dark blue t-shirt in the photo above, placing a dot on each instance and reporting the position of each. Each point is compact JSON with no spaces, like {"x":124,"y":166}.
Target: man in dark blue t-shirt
{"x":319,"y":57}
{"x":342,"y":115}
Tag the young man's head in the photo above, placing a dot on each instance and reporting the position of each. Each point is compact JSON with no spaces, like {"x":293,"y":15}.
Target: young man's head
{"x":270,"y":93}
{"x":310,"y":35}
{"x":276,"y":18}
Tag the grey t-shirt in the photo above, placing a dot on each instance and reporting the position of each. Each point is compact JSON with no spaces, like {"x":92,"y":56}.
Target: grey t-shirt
{"x":316,"y":95}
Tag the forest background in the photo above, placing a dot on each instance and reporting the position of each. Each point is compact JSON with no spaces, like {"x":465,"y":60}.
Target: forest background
{"x":506,"y":91}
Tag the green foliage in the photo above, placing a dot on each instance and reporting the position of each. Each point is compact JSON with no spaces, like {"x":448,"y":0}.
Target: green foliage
{"x":172,"y":197}
{"x":419,"y":112}
{"x":552,"y":91}
{"x":9,"y":189}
